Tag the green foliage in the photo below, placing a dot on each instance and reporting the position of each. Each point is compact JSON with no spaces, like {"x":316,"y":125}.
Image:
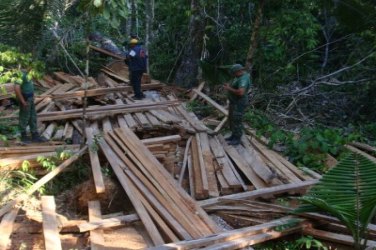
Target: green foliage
{"x":200,"y":109}
{"x":313,"y":145}
{"x":21,"y":22}
{"x":347,"y":192}
{"x":22,"y":179}
{"x":307,"y":149}
{"x":291,"y":30}
{"x":112,"y":11}
{"x":12,"y":61}
{"x":308,"y":242}
{"x":49,"y":163}
{"x":304,"y":242}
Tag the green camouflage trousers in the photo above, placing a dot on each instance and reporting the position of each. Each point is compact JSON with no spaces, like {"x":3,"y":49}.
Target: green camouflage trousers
{"x":236,"y":113}
{"x":28,"y":116}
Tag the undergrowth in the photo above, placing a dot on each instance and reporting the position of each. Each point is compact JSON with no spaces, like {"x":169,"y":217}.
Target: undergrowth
{"x":311,"y":146}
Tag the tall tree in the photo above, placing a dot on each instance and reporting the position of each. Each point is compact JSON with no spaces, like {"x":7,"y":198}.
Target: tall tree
{"x":187,"y":71}
{"x":149,"y":11}
{"x":256,"y":26}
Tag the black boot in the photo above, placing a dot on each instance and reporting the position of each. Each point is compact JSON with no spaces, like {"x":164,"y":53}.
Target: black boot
{"x":235,"y":141}
{"x":228,"y":139}
{"x":36,"y":138}
{"x":24,"y":138}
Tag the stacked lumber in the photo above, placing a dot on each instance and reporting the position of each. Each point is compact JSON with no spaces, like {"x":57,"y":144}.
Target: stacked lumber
{"x":216,"y":168}
{"x":157,"y":198}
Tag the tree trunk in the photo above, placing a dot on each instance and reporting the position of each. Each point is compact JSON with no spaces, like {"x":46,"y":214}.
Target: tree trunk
{"x":149,"y":9}
{"x":187,"y":71}
{"x":255,"y":30}
{"x":134,"y":27}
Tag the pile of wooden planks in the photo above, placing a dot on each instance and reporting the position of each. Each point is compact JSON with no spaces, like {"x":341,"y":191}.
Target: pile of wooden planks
{"x":216,"y":168}
{"x":158,"y":200}
{"x":165,"y":159}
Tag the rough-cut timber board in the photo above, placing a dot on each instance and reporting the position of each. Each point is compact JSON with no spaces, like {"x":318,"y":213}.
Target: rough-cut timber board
{"x":270,"y":155}
{"x":224,"y":237}
{"x":333,"y":237}
{"x":212,"y":102}
{"x":200,"y":188}
{"x":353,"y":149}
{"x":299,"y":187}
{"x":6,"y":228}
{"x":364,"y":146}
{"x":50,"y":224}
{"x":243,"y":166}
{"x":129,"y":189}
{"x":107,"y":53}
{"x":142,"y":120}
{"x":96,"y":236}
{"x":185,"y":160}
{"x":108,"y":223}
{"x":170,"y":209}
{"x":253,"y":158}
{"x":94,"y":160}
{"x":202,"y":220}
{"x":161,"y":140}
{"x":208,"y":163}
{"x":153,"y":120}
{"x":224,"y":166}
{"x":199,"y":88}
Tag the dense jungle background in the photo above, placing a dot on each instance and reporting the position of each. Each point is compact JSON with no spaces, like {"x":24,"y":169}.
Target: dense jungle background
{"x":312,"y":62}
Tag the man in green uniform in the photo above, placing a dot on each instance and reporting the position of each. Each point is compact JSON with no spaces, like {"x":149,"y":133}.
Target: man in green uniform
{"x":27,"y":116}
{"x":237,"y":94}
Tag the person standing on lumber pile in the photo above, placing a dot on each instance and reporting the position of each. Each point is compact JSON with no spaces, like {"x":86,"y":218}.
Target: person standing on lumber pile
{"x":24,"y":90}
{"x":136,"y":61}
{"x":237,"y":94}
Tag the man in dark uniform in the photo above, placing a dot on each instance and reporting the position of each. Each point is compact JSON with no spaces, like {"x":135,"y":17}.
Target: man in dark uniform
{"x":27,"y":115}
{"x":136,"y":60}
{"x":237,"y":94}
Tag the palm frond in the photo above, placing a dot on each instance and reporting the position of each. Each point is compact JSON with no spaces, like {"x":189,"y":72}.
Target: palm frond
{"x":348,"y":192}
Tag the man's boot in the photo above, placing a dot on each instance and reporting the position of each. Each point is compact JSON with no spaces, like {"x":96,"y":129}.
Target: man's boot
{"x":35,"y":137}
{"x":235,"y":141}
{"x":24,"y":138}
{"x":230,"y":138}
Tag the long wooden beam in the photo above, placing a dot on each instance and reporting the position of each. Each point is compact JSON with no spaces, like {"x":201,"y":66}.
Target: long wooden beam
{"x":261,"y":192}
{"x":103,"y":91}
{"x":226,"y":236}
{"x":107,"y":53}
{"x":212,"y":102}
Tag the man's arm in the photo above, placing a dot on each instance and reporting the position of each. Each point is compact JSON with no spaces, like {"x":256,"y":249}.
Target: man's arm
{"x":17,"y":89}
{"x":239,"y":91}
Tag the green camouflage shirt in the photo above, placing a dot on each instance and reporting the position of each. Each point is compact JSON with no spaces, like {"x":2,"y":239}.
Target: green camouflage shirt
{"x":243,"y":81}
{"x":27,"y":85}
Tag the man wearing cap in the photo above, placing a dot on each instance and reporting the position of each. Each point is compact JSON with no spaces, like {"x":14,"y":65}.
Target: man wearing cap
{"x":237,"y":94}
{"x":136,"y":60}
{"x":27,"y":116}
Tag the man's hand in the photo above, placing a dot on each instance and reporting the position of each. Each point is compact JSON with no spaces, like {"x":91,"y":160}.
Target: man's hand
{"x":226,"y":86}
{"x":24,"y":104}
